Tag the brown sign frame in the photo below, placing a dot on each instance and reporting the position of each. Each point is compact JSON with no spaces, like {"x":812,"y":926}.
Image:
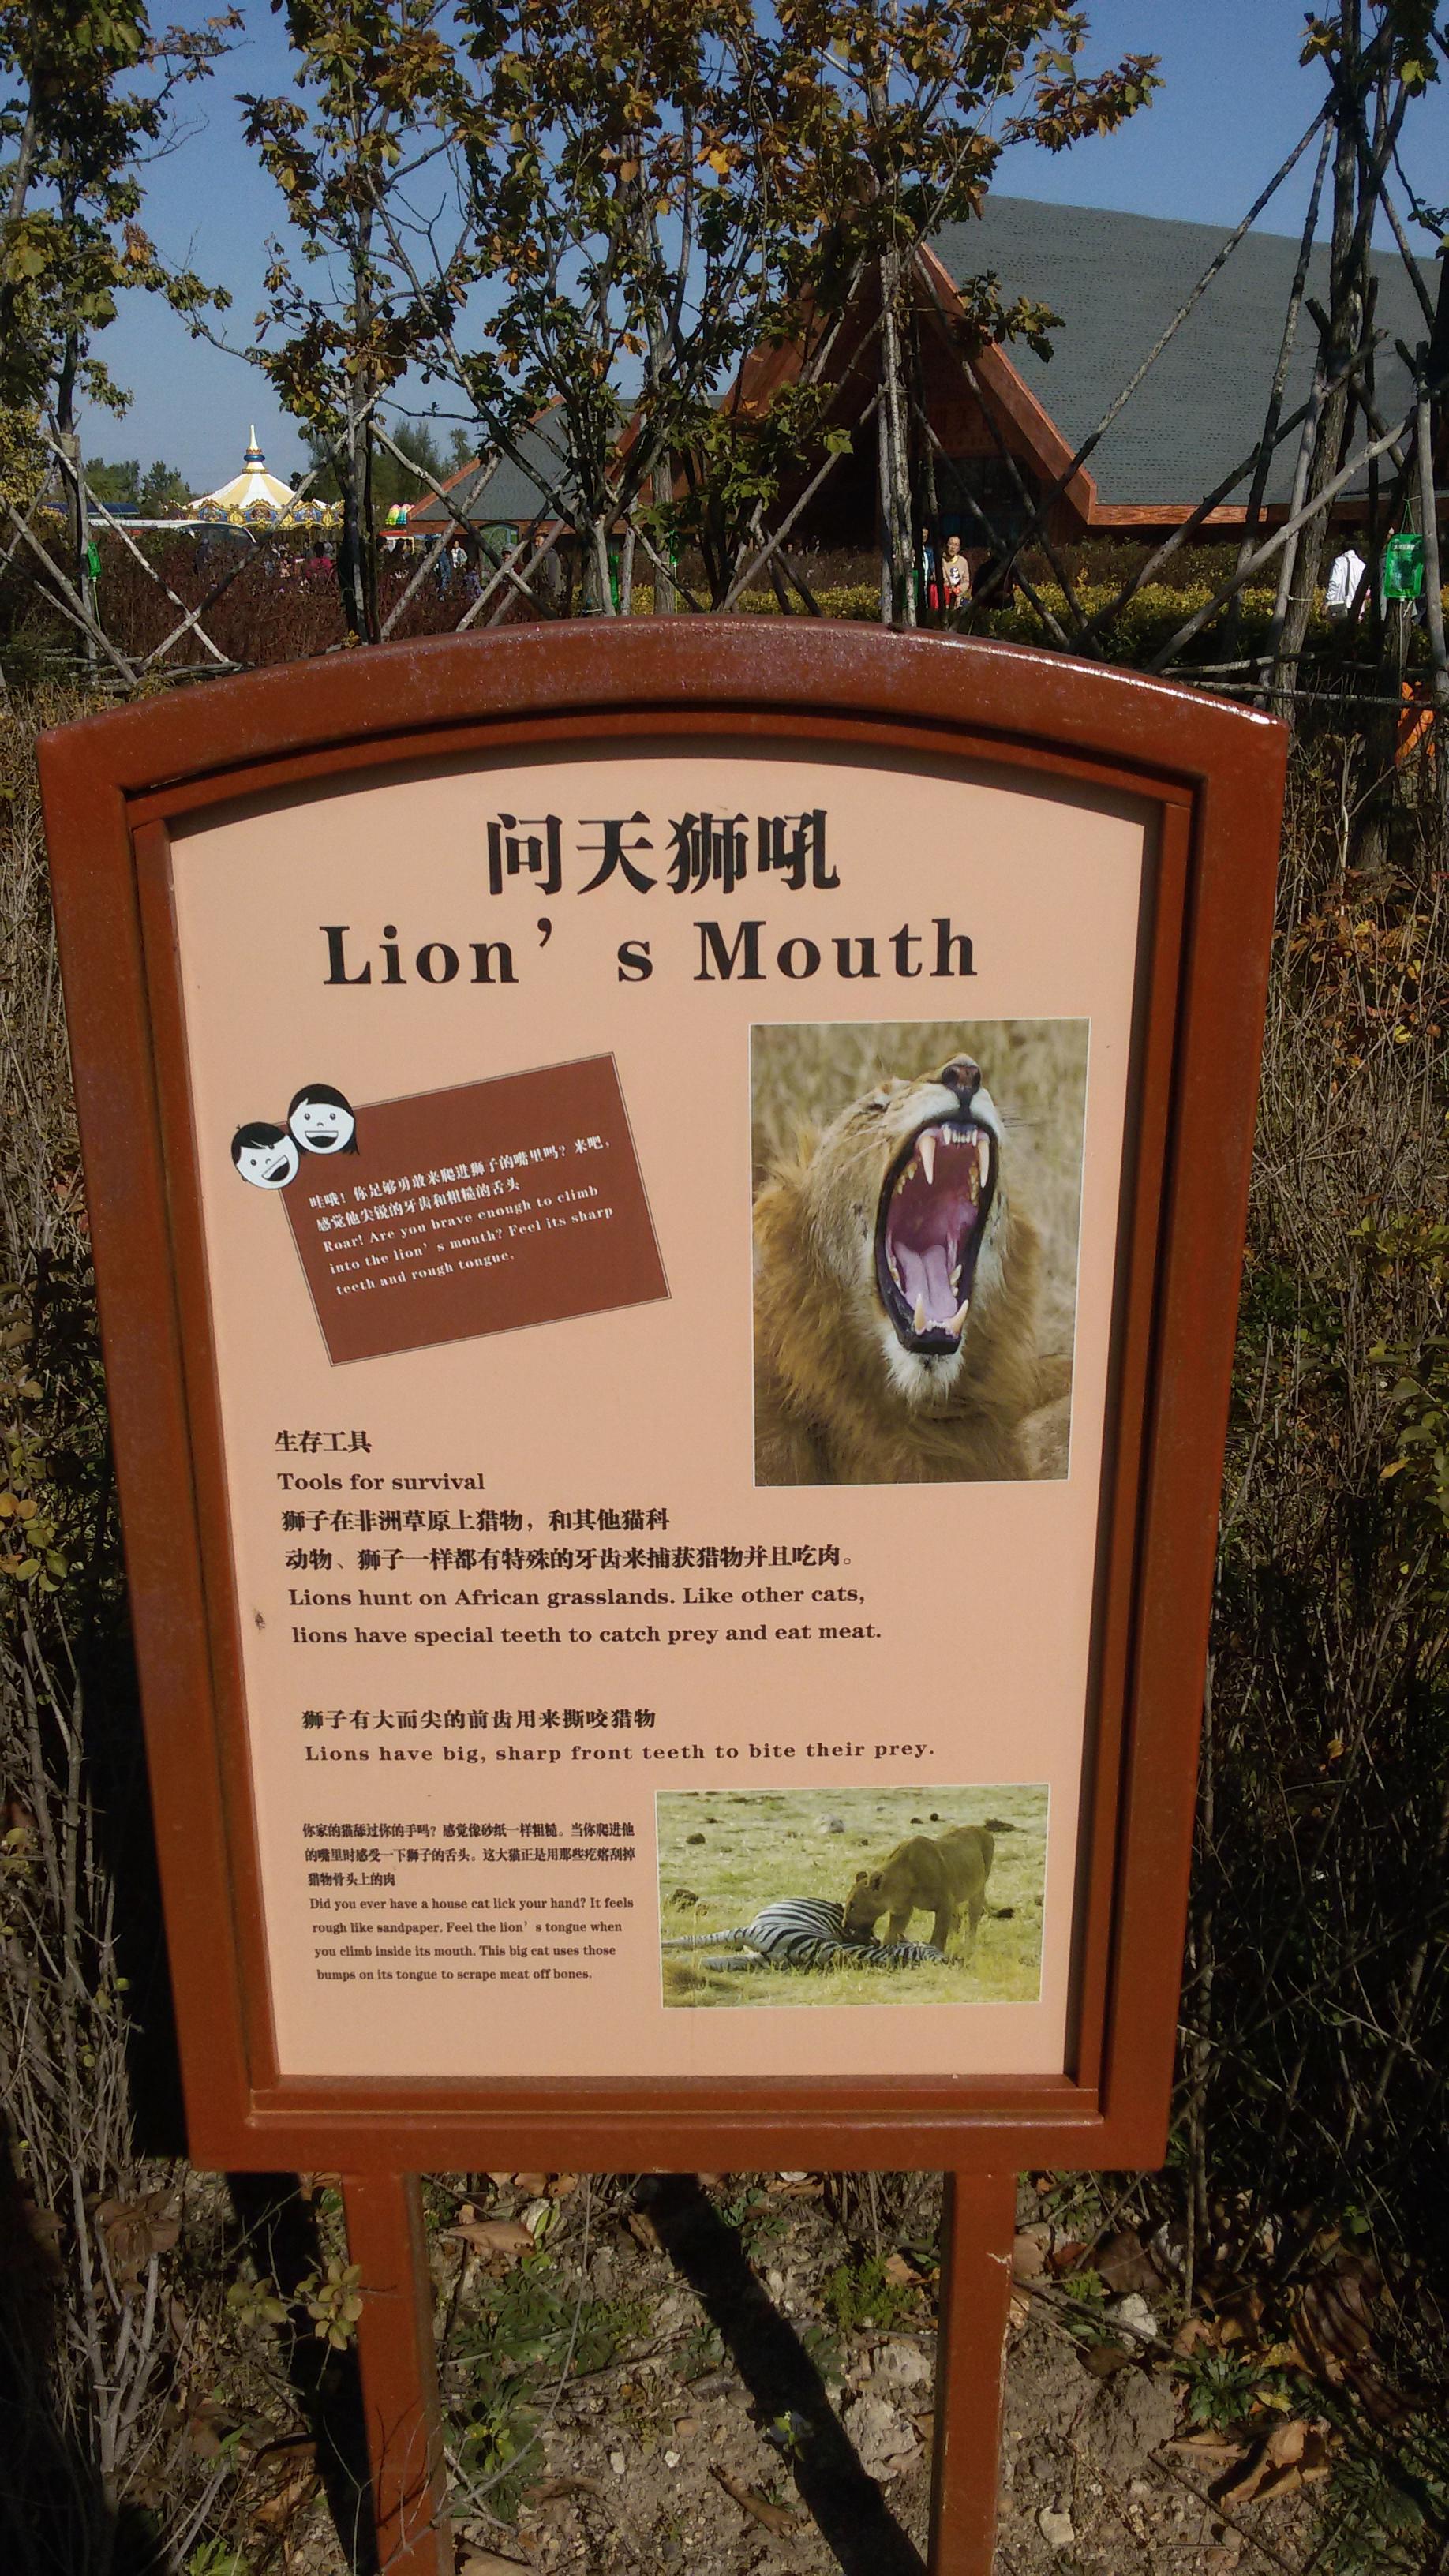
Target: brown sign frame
{"x":1211,"y":777}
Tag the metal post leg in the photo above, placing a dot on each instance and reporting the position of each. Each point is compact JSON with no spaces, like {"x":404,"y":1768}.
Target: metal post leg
{"x":387,"y":2236}
{"x":980,"y":2219}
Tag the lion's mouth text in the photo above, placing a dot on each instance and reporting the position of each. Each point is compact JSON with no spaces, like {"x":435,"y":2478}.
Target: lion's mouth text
{"x":929,"y":1228}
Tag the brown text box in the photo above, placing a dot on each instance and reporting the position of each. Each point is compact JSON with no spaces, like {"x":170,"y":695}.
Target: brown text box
{"x":503,"y":1203}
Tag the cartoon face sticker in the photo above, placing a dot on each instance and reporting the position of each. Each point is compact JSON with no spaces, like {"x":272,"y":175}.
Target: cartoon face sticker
{"x":265,"y":1155}
{"x":322,"y":1121}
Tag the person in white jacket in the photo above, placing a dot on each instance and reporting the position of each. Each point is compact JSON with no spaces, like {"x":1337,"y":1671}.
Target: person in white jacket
{"x":1345,"y":573}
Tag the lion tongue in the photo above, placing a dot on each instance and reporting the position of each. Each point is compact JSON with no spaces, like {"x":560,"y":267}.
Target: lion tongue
{"x":926,"y":1283}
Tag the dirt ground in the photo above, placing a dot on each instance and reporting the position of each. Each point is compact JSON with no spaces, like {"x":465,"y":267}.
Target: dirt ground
{"x":773,"y":2415}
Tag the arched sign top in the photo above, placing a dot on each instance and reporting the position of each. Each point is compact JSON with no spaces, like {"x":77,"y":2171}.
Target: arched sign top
{"x":667,"y":1200}
{"x":181,"y":746}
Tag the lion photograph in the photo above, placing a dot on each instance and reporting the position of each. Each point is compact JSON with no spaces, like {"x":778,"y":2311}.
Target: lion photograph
{"x":917,"y":1205}
{"x":858,"y":1895}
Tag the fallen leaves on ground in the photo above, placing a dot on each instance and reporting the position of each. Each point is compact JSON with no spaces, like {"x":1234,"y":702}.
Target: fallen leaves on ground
{"x":503,"y":2240}
{"x":134,"y":2230}
{"x":550,"y":2490}
{"x":774,"y":2517}
{"x":297,"y":2488}
{"x":1028,"y":2254}
{"x":1125,"y":2264}
{"x":1293,"y":2454}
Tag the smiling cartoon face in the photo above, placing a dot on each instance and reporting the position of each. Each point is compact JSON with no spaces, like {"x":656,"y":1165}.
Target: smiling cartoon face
{"x":321,"y":1121}
{"x":265,"y":1155}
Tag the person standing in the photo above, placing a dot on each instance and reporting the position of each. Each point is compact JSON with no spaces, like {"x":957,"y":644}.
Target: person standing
{"x":1345,"y":576}
{"x":928,"y":584}
{"x":955,"y":574}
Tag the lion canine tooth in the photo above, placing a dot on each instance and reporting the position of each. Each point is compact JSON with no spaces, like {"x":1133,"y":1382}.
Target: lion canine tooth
{"x":983,"y":1155}
{"x":927,"y":1145}
{"x":959,"y":1318}
{"x":918,"y":1320}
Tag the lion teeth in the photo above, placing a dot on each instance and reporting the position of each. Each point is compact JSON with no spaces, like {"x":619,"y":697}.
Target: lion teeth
{"x":958,"y":1320}
{"x":918,"y":1321}
{"x":983,"y":1155}
{"x":928,"y":1158}
{"x":956,"y":1275}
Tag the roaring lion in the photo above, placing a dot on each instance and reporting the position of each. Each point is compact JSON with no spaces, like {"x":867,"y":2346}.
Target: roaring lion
{"x":924,"y":1875}
{"x":896,"y":1294}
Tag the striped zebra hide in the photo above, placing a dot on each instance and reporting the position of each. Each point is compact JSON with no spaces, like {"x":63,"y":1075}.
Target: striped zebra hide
{"x":805,"y":1932}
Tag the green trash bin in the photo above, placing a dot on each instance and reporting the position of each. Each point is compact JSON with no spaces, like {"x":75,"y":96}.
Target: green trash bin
{"x":1404,"y":568}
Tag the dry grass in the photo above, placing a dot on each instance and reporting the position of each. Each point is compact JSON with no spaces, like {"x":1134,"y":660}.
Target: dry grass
{"x":122,"y":2366}
{"x":1035,"y":1070}
{"x":765,"y":1843}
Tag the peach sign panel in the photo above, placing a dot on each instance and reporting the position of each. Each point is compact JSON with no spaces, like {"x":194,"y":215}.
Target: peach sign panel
{"x":513,"y":1604}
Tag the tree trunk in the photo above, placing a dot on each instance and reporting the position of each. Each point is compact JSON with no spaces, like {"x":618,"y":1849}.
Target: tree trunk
{"x":666,"y":597}
{"x":898,"y":588}
{"x":349,"y":543}
{"x":930,"y":499}
{"x":1373,"y":834}
{"x":367,"y":535}
{"x":1345,"y":317}
{"x":68,"y":440}
{"x":1434,"y":596}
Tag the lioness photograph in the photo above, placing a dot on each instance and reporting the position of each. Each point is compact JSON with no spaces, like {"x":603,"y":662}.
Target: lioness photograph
{"x":917,"y":1206}
{"x":852,"y":1896}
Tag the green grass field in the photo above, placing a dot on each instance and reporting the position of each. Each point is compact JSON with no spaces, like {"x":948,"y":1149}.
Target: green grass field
{"x":764,"y":1843}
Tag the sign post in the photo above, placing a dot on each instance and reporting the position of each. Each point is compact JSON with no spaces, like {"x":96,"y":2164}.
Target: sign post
{"x":589,"y":1130}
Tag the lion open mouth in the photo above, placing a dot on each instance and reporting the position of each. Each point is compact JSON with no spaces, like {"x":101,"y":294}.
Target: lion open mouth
{"x":928,"y":1231}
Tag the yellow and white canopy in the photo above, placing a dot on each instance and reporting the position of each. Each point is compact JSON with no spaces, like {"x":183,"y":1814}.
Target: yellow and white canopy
{"x":255,"y":497}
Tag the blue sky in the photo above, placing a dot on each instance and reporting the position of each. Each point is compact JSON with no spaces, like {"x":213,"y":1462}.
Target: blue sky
{"x":1234,"y":103}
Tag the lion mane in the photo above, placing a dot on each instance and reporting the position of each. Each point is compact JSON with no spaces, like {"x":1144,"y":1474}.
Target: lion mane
{"x":867,"y":1371}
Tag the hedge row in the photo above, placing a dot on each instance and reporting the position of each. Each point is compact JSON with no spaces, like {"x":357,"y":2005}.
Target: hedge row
{"x":1135,"y":634}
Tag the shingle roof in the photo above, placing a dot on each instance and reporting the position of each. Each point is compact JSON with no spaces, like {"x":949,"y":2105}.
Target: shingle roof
{"x":511,"y":495}
{"x":1117,"y":280}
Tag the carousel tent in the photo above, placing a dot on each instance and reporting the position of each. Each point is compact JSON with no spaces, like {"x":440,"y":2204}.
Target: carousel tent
{"x":256,"y":497}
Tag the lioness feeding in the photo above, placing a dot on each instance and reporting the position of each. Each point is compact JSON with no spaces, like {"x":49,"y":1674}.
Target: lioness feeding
{"x":925,"y":1875}
{"x":896,"y":1295}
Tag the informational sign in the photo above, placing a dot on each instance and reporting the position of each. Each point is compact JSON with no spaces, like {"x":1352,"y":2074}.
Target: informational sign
{"x":586,"y":1423}
{"x":672,"y":1261}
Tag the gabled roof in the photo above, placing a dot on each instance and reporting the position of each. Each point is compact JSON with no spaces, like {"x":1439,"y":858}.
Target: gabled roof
{"x":510,"y":496}
{"x":1117,"y":280}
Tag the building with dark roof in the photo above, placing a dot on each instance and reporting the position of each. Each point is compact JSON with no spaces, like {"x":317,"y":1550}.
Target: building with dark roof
{"x":1006,"y":425}
{"x":1117,"y":281}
